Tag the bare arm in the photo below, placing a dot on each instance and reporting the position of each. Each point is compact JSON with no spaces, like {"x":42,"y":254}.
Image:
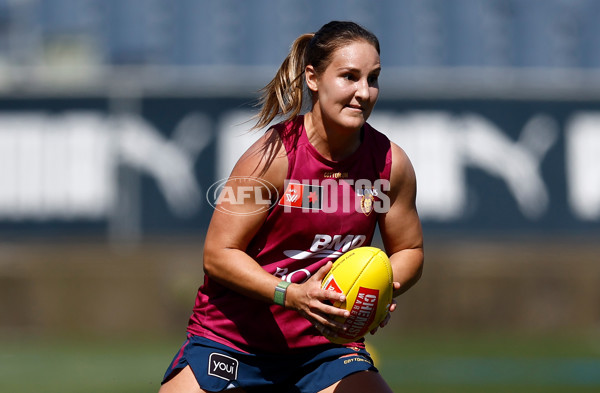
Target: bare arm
{"x":231,"y":230}
{"x":400,"y":227}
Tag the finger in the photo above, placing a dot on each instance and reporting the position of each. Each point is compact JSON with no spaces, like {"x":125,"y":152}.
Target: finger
{"x":332,"y":311}
{"x":321,"y":321}
{"x":327,"y":304}
{"x":386,"y":320}
{"x":393,"y":306}
{"x":329,"y":331}
{"x":322,"y":272}
{"x":324,"y":330}
{"x":333,"y":296}
{"x":382,"y":324}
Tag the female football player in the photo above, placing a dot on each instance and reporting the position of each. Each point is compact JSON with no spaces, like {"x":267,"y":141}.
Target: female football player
{"x":329,"y":178}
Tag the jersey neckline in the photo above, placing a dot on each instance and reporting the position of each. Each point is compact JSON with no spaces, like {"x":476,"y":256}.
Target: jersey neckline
{"x":315,"y":153}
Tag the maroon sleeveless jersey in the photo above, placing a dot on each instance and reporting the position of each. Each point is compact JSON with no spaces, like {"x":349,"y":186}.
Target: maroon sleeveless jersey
{"x":326,"y":209}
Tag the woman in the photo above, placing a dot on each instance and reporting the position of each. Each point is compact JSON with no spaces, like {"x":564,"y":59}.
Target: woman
{"x":259,"y":318}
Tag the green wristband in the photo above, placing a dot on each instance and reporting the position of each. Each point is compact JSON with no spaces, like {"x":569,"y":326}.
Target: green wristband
{"x":280,"y":290}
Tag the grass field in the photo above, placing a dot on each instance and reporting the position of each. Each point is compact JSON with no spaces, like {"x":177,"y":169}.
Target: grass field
{"x":513,"y":287}
{"x":409,"y":362}
{"x":489,"y":363}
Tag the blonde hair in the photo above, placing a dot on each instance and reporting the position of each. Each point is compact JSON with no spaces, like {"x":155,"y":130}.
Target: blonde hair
{"x":284,"y":95}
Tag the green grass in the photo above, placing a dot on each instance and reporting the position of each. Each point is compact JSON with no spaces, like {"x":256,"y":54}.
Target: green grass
{"x":84,"y":365}
{"x":445,"y":363}
{"x":488,"y":362}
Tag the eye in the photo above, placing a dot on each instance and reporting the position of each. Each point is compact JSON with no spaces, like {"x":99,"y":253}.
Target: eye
{"x":373,"y":79}
{"x":349,"y":76}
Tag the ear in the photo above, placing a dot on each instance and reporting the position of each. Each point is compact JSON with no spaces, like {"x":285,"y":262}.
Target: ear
{"x":311,"y":78}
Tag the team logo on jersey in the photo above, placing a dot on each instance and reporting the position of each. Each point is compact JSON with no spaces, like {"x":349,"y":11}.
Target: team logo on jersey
{"x":367,"y":198}
{"x":366,"y":203}
{"x":222,"y":366}
{"x":304,"y":196}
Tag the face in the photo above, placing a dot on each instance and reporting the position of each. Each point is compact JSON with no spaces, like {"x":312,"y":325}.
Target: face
{"x":346,"y":92}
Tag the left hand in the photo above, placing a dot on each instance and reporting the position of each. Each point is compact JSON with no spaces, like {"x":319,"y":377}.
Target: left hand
{"x":393,"y":306}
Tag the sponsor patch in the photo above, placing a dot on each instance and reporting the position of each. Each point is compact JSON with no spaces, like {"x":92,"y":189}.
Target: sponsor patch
{"x":355,"y":358}
{"x":303,"y":196}
{"x":222,"y":366}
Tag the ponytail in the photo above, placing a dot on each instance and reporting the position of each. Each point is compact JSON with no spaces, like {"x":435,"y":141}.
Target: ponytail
{"x":284,"y":94}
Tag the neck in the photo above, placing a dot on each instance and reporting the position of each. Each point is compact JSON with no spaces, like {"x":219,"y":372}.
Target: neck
{"x":332,"y":143}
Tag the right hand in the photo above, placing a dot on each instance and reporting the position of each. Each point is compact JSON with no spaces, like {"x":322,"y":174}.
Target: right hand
{"x":315,"y":303}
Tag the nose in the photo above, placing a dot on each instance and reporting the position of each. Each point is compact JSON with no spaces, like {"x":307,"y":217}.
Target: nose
{"x":362,"y":89}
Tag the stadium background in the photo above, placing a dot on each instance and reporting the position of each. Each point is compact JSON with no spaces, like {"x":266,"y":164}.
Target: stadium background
{"x":117,"y":116}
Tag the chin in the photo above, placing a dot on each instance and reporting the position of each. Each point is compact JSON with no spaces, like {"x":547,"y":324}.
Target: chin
{"x":354,"y":122}
{"x":350,"y":122}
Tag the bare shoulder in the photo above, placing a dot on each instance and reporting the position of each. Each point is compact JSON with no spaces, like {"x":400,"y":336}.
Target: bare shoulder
{"x":253,"y":185}
{"x":265,"y":159}
{"x":402,"y":176}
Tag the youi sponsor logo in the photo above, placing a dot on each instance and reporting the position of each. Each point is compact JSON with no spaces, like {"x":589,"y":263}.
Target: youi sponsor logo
{"x":242,"y":195}
{"x":222,"y":366}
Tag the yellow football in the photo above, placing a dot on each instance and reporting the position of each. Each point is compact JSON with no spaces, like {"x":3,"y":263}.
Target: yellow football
{"x":365,"y":276}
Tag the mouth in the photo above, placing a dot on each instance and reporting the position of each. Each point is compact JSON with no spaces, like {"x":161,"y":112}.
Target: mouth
{"x":357,"y":108}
